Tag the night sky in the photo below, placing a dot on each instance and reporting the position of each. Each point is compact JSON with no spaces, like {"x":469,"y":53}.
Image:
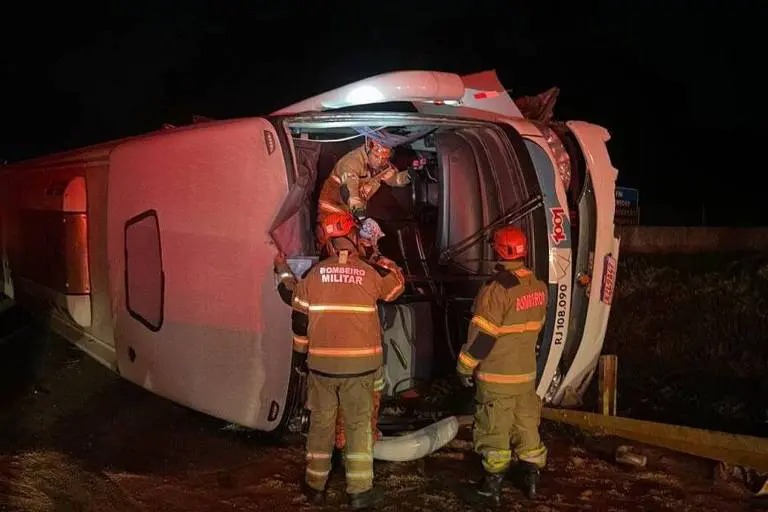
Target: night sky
{"x":677,"y":83}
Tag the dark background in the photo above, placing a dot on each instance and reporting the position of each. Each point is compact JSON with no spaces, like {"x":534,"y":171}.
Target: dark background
{"x":679,"y":84}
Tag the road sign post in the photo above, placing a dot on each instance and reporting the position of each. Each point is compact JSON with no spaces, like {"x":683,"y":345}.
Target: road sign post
{"x":627,"y":206}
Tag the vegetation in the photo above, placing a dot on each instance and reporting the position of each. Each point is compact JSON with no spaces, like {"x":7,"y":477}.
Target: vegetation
{"x":691,"y":333}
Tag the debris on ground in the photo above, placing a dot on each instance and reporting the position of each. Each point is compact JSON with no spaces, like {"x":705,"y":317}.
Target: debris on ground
{"x":625,"y":455}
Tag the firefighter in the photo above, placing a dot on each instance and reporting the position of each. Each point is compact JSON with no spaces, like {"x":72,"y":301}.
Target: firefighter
{"x":337,"y":340}
{"x":500,"y":355}
{"x":369,"y":235}
{"x":356,"y":177}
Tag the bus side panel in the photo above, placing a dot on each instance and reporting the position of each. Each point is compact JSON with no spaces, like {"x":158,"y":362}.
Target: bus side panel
{"x":47,"y":250}
{"x":102,"y":319}
{"x":198,"y":319}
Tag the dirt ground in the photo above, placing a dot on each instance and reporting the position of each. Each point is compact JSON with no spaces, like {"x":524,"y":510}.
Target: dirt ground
{"x":74,"y":437}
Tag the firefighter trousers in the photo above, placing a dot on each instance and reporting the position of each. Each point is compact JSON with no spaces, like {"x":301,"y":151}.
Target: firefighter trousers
{"x":378,"y":387}
{"x":507,"y":421}
{"x":354,"y":396}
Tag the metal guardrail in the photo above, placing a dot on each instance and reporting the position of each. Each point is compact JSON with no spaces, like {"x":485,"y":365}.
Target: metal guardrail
{"x":748,"y":451}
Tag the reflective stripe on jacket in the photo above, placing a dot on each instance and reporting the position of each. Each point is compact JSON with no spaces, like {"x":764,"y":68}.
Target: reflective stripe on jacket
{"x":338,"y":299}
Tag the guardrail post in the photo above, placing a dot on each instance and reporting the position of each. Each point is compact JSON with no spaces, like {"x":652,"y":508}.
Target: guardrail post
{"x":608,"y":378}
{"x":741,"y":450}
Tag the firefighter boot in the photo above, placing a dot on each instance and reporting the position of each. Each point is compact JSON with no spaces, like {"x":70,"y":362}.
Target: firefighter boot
{"x":529,"y":479}
{"x":488,"y":491}
{"x":370,"y":498}
{"x":314,"y":497}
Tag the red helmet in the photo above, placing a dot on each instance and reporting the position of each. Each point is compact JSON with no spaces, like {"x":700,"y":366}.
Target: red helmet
{"x":378,"y":155}
{"x":338,"y":224}
{"x":376,"y":148}
{"x":510,"y":243}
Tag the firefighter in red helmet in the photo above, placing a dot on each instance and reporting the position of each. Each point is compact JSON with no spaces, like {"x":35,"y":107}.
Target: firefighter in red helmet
{"x":368,"y":235}
{"x":500,"y":357}
{"x":337,"y":340}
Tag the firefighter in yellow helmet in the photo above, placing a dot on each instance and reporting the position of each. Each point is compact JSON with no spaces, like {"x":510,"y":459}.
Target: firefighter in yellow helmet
{"x":337,"y":338}
{"x":356,"y":177}
{"x":500,"y":355}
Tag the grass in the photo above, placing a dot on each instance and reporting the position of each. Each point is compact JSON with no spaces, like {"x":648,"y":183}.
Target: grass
{"x":691,"y":333}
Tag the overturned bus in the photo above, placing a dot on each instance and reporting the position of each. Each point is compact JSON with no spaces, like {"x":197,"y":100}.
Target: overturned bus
{"x":154,"y":254}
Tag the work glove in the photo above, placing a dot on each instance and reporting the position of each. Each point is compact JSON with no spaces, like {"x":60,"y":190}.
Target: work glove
{"x":300,"y":363}
{"x":359,"y":212}
{"x":466,"y":380}
{"x":412,"y":173}
{"x":384,"y":262}
{"x":280,"y":265}
{"x":416,"y":167}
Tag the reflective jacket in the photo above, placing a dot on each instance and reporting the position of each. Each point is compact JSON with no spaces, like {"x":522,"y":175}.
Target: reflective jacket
{"x":335,"y":317}
{"x":351,"y":183}
{"x":508,"y":313}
